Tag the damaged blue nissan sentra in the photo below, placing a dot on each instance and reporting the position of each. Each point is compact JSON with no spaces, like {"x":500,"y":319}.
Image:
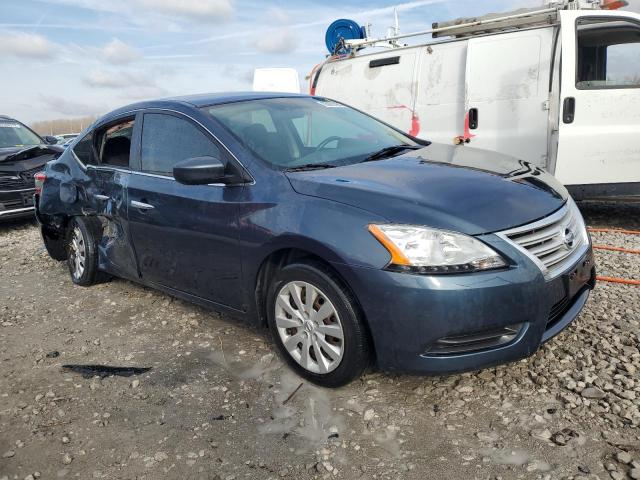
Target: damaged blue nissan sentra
{"x":353,"y":242}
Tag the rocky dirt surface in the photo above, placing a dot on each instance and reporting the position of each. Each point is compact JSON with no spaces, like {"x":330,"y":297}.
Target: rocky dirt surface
{"x":216,"y":403}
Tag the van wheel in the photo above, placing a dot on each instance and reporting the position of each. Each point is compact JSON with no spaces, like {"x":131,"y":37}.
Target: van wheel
{"x":54,"y":243}
{"x":83,"y":237}
{"x":316,"y":324}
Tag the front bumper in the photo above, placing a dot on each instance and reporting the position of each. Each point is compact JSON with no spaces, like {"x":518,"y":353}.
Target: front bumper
{"x":16,"y":203}
{"x":409,"y":314}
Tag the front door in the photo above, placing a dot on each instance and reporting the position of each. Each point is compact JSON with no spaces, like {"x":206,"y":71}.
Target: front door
{"x":599,"y":134}
{"x":507,"y":93}
{"x":185,"y":236}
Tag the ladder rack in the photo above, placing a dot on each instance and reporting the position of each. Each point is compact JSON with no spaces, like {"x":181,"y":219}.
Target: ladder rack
{"x":465,"y":27}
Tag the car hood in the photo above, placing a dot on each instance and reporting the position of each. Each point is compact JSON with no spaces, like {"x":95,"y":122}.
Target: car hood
{"x":12,"y":154}
{"x":15,"y":161}
{"x":455,"y":188}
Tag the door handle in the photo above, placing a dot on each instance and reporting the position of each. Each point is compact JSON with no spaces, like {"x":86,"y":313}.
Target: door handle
{"x":473,"y":118}
{"x":141,"y":205}
{"x":569,"y":110}
{"x":102,"y":198}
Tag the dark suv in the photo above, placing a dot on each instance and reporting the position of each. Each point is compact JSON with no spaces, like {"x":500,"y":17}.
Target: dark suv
{"x":22,"y":154}
{"x":353,"y":241}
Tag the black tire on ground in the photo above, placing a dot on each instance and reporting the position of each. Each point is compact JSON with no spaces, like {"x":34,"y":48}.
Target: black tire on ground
{"x":86,"y":232}
{"x":356,"y":346}
{"x":54,"y":242}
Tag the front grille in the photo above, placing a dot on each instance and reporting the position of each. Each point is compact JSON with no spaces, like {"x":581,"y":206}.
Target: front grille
{"x":18,"y":180}
{"x":11,"y":204}
{"x":554,"y":242}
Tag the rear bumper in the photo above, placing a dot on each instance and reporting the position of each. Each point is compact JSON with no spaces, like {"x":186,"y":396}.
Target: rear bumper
{"x":409,"y":314}
{"x":16,"y":204}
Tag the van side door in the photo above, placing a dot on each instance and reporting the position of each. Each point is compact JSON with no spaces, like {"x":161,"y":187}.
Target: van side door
{"x":599,"y":132}
{"x":507,"y":93}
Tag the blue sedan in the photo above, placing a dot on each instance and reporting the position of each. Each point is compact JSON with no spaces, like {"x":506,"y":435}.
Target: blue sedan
{"x":353,"y":242}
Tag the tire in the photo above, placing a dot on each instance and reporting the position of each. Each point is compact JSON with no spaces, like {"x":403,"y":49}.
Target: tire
{"x":333,"y":310}
{"x":54,"y":243}
{"x":83,"y":237}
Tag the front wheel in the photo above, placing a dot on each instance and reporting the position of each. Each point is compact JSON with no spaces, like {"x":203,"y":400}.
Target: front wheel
{"x":316,"y":324}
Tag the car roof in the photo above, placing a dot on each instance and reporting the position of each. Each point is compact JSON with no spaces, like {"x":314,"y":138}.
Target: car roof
{"x":202,"y":100}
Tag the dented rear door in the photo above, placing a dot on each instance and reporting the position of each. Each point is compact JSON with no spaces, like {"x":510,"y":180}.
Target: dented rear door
{"x":106,"y":197}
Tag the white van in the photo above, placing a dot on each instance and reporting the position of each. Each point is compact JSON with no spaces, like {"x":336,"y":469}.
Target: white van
{"x":557,"y":86}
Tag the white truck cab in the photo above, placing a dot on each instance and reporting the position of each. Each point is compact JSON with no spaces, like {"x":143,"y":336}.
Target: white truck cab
{"x":557,"y":86}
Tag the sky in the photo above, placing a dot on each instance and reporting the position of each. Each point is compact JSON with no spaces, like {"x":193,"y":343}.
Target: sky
{"x":72,"y":58}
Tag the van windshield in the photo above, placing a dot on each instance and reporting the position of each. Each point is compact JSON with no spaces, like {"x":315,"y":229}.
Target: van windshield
{"x":14,"y":134}
{"x":299,"y":132}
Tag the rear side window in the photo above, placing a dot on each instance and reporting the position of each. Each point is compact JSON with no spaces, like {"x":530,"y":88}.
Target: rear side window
{"x":84,"y":150}
{"x":167,"y":140}
{"x":608,"y":53}
{"x":115,"y":144}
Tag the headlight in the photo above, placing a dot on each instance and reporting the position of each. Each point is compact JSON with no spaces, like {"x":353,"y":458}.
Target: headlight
{"x":429,"y":250}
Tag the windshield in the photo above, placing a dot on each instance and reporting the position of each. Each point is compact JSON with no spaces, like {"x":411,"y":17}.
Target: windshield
{"x":14,"y":134}
{"x":303,"y":131}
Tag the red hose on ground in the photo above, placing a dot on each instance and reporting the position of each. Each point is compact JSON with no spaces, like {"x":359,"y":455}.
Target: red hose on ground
{"x":623,"y":281}
{"x":615,"y":249}
{"x":613,"y":230}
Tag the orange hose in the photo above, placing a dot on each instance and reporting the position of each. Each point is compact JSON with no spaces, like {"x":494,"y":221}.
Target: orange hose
{"x":615,"y":249}
{"x":624,"y":281}
{"x":613,"y":230}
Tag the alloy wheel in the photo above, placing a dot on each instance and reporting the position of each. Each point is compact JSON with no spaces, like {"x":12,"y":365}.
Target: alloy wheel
{"x":78,"y":253}
{"x":309,"y":327}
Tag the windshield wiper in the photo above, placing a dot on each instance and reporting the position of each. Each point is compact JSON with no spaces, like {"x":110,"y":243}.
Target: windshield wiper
{"x":388,"y":152}
{"x":309,"y":166}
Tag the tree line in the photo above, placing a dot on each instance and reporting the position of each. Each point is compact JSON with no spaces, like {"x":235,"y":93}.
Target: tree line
{"x":63,"y":125}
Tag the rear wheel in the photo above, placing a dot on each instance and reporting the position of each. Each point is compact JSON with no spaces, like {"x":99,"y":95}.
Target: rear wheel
{"x":316,"y":325}
{"x":83,"y":237}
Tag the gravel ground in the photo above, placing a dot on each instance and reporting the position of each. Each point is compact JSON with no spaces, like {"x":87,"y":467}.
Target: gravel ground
{"x":217,"y":404}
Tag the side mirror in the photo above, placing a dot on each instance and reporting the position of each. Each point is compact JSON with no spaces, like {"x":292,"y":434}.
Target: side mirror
{"x":200,"y":171}
{"x":50,"y":140}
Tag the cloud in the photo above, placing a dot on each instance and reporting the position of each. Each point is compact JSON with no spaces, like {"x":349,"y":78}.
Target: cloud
{"x":199,"y":10}
{"x":278,"y":42}
{"x":278,"y":15}
{"x":101,"y":78}
{"x":131,"y":85}
{"x":19,"y":44}
{"x":64,"y":106}
{"x":119,"y":53}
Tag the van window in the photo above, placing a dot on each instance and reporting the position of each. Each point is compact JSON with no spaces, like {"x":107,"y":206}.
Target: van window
{"x":608,"y":53}
{"x":167,"y":140}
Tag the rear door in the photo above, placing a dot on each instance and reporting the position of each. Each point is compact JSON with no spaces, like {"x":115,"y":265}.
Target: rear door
{"x":507,"y":93}
{"x":599,"y":133}
{"x":107,"y":151}
{"x":185,"y":236}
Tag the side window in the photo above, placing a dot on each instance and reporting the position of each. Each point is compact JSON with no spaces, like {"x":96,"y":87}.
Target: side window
{"x":167,"y":140}
{"x":84,"y":150}
{"x":115,"y":144}
{"x":608,"y":53}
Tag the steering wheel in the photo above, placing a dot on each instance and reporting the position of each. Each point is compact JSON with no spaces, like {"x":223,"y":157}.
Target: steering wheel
{"x":326,"y":142}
